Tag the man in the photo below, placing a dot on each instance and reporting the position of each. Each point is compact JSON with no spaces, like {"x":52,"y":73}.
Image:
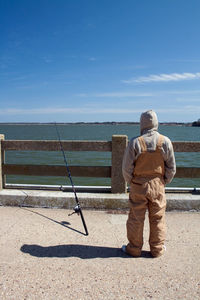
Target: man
{"x":148,"y":165}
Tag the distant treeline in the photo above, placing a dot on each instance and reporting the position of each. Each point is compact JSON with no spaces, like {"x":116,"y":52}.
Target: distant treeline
{"x":100,"y":123}
{"x":196,"y":123}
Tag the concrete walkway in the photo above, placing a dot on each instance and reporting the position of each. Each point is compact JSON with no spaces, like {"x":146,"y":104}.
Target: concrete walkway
{"x":44,"y":254}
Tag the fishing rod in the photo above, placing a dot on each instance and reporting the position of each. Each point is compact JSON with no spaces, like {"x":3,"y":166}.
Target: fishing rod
{"x":77,"y":208}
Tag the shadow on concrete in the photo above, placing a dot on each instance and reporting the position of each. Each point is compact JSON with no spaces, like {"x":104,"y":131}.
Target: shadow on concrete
{"x":81,"y":251}
{"x":63,"y":223}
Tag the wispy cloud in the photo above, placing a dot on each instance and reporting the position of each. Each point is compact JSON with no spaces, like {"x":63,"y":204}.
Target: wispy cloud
{"x":135,"y":94}
{"x":35,"y":111}
{"x":191,"y":109}
{"x":188,"y":100}
{"x":185,"y":60}
{"x":182,"y":92}
{"x":96,"y":110}
{"x":65,"y":110}
{"x":116,"y":95}
{"x":163,"y":78}
{"x":47,"y":59}
{"x":92,"y":59}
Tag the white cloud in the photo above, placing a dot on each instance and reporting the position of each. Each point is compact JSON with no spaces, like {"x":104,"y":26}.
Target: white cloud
{"x":35,"y":111}
{"x":182,"y":92}
{"x":116,"y":95}
{"x":183,"y":110}
{"x":97,"y":110}
{"x":64,"y":110}
{"x":163,"y":78}
{"x":92,"y":59}
{"x":138,"y":94}
{"x":185,"y":60}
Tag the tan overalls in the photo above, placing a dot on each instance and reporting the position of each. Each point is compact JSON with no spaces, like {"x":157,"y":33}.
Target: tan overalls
{"x":147,"y":191}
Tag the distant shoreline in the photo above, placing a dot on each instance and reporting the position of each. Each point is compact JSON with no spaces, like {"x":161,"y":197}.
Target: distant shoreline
{"x":93,"y":123}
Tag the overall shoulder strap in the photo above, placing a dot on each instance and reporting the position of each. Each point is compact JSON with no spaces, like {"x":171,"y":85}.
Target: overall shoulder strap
{"x":160,"y":141}
{"x":142,"y":144}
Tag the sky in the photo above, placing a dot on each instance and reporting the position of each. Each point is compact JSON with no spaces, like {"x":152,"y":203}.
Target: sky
{"x":99,"y":60}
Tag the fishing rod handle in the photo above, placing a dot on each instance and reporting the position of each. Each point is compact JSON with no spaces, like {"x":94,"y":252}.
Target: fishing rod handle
{"x":83,"y":221}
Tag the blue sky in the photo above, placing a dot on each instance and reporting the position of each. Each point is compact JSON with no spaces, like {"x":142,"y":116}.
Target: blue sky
{"x":99,"y":60}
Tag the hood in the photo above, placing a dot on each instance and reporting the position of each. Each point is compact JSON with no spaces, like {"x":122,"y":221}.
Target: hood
{"x":148,"y":120}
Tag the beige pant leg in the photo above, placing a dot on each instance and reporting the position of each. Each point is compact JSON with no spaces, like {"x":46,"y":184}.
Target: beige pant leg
{"x":135,"y":222}
{"x":156,"y":207}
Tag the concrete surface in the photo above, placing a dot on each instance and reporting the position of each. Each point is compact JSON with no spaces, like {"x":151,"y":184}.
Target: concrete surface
{"x":59,"y":199}
{"x":44,"y":254}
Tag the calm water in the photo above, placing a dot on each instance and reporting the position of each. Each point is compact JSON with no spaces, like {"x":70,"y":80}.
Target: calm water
{"x":89,"y":132}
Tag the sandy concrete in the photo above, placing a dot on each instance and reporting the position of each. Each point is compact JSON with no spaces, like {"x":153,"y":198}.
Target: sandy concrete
{"x":45,"y":255}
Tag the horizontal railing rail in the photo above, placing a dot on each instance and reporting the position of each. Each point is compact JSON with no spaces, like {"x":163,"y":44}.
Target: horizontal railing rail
{"x":81,"y":171}
{"x":187,"y":172}
{"x":76,"y":145}
{"x":116,"y":147}
{"x":38,"y":145}
{"x":186,"y":146}
{"x":56,"y":170}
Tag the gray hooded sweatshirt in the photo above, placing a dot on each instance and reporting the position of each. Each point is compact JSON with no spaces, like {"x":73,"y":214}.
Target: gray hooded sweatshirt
{"x":149,"y":131}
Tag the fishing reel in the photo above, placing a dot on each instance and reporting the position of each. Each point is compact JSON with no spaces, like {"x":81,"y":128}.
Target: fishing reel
{"x":76,"y":209}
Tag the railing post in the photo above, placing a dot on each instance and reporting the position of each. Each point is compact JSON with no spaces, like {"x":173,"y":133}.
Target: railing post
{"x":1,"y":162}
{"x":119,"y":144}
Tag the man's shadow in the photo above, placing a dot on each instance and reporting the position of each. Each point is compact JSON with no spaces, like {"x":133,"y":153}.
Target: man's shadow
{"x":81,"y":251}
